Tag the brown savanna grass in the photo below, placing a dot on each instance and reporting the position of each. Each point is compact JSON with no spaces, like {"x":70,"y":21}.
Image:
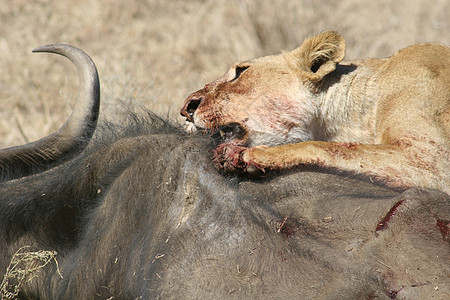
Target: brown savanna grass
{"x":156,"y":52}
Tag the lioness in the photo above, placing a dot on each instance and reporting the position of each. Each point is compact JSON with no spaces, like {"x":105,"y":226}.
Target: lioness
{"x":387,"y":118}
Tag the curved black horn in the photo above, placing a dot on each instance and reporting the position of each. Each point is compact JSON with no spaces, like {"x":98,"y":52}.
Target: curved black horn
{"x":72,"y":137}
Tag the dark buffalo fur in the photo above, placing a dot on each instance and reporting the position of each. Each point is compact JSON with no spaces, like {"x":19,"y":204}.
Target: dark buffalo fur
{"x":142,"y":213}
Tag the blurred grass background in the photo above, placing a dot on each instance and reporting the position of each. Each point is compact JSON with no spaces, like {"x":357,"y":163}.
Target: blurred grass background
{"x":155,"y":53}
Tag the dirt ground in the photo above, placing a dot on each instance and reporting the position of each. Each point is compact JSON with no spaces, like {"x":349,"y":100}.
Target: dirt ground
{"x":155,"y":52}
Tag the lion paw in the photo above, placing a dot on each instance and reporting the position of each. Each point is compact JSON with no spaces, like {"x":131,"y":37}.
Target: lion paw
{"x":235,"y":159}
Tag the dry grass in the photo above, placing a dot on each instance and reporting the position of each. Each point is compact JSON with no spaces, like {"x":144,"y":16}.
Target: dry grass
{"x":156,"y":52}
{"x":24,"y":267}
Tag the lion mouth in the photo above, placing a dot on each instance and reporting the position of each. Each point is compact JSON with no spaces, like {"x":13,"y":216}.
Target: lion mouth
{"x":228,"y":133}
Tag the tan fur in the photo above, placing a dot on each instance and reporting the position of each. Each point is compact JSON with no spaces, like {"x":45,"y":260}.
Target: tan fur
{"x":387,"y":119}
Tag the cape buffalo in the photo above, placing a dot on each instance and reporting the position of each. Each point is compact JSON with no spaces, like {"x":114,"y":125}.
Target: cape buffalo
{"x":140,"y":212}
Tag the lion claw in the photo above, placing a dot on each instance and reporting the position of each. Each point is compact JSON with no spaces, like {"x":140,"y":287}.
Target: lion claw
{"x":235,"y":159}
{"x":229,"y":158}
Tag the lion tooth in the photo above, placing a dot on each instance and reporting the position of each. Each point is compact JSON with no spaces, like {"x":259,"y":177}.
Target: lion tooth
{"x":222,"y":133}
{"x":190,"y":127}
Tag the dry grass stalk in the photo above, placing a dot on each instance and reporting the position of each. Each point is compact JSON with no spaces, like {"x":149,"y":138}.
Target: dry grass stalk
{"x":24,"y":267}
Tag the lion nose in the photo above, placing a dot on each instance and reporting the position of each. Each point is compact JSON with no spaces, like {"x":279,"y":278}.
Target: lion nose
{"x":190,"y":106}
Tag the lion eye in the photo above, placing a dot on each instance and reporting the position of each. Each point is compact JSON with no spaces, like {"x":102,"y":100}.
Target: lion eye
{"x":239,"y":71}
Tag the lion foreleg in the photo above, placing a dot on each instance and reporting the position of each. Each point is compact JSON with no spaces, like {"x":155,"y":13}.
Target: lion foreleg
{"x":394,"y":165}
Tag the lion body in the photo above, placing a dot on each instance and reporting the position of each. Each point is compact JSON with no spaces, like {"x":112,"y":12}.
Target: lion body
{"x":388,"y":119}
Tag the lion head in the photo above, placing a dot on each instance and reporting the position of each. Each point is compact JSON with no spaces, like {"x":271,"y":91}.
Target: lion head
{"x":269,"y":100}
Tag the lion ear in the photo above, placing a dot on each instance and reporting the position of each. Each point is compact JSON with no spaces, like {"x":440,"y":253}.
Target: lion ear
{"x":318,"y":55}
